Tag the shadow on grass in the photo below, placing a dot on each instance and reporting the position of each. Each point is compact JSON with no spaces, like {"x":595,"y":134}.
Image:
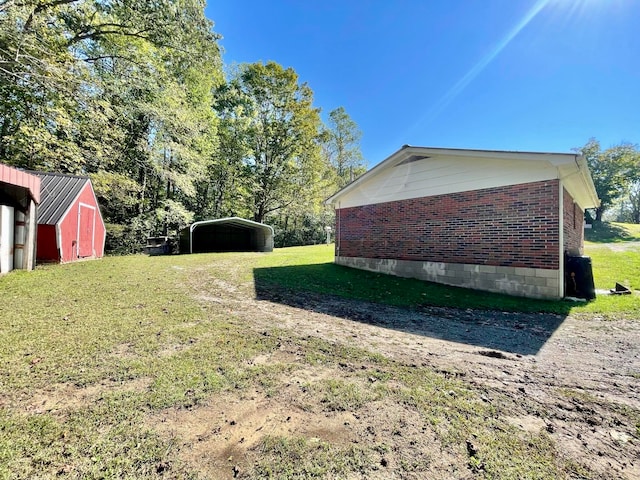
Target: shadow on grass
{"x":604,"y":232}
{"x":491,"y":321}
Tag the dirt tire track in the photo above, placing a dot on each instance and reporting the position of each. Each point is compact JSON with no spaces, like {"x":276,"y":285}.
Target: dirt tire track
{"x":580,"y":385}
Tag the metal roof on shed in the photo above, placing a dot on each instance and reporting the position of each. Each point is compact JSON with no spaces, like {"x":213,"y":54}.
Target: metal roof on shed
{"x":58,"y":191}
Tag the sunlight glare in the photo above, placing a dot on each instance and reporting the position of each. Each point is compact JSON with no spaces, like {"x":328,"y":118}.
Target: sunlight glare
{"x":461,"y":84}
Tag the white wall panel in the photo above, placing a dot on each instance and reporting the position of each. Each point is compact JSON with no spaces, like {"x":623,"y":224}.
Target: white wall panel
{"x":444,"y":175}
{"x":6,"y":238}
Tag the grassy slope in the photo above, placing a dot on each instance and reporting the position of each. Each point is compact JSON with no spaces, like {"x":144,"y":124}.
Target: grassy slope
{"x":612,"y":232}
{"x":611,"y":266}
{"x":612,"y":262}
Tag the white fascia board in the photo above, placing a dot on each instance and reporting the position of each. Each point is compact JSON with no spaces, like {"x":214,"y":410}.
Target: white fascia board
{"x":396,"y":157}
{"x":553,"y":158}
{"x":577,"y":180}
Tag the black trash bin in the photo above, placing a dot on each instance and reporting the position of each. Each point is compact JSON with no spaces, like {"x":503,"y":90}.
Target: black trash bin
{"x":578,"y":277}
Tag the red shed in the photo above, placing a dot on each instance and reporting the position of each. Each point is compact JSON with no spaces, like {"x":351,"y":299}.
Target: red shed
{"x":70,"y":225}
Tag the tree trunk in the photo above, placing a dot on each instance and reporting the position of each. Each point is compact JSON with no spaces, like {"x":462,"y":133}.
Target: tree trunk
{"x":142,"y":190}
{"x":599,"y":212}
{"x":259,"y":214}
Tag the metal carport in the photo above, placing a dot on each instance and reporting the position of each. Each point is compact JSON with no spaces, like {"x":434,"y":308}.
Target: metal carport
{"x":232,"y":234}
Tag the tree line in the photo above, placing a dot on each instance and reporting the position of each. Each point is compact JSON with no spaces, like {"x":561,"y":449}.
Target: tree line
{"x":616,"y":176}
{"x":134,"y":94}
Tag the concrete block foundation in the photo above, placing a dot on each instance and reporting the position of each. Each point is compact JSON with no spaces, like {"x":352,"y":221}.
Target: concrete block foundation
{"x":523,"y":282}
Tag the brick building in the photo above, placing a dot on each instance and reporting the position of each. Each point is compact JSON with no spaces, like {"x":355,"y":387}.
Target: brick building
{"x":489,"y":220}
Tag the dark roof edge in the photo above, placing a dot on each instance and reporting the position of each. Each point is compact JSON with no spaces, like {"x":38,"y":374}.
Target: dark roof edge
{"x":57,"y":174}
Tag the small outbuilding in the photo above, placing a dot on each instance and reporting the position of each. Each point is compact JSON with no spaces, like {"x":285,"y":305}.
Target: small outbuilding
{"x":489,"y":220}
{"x":70,"y":225}
{"x":19,"y":196}
{"x":230,"y":234}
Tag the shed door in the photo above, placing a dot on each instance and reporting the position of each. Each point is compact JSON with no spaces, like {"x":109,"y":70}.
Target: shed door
{"x":86,"y":227}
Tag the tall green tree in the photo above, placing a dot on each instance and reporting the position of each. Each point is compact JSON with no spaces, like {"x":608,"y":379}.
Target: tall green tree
{"x":341,"y":145}
{"x":634,"y":201}
{"x":283,"y":159}
{"x":50,"y":116}
{"x":226,"y":190}
{"x":613,"y":171}
{"x":118,"y":89}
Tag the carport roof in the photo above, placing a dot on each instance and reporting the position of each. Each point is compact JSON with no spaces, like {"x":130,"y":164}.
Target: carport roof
{"x":233,"y":221}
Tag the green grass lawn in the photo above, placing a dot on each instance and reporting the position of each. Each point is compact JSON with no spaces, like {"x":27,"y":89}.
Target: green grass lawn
{"x":311,"y":269}
{"x":611,"y":265}
{"x":133,"y":329}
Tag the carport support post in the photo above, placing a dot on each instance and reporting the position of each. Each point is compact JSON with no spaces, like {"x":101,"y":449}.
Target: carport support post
{"x":29,"y":261}
{"x":191,"y":239}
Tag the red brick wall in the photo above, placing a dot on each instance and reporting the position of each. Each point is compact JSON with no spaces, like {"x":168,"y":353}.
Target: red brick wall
{"x":573,"y":225}
{"x":510,"y":226}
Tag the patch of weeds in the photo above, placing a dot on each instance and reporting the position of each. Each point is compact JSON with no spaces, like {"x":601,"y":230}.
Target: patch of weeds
{"x":185,"y":384}
{"x":104,"y":440}
{"x":576,"y":470}
{"x":509,"y":455}
{"x":298,"y":457}
{"x":322,"y":352}
{"x":343,"y":396}
{"x":579,"y":395}
{"x":440,"y":398}
{"x":269,"y":377}
{"x":415,"y":464}
{"x":214,"y":363}
{"x":316,"y":358}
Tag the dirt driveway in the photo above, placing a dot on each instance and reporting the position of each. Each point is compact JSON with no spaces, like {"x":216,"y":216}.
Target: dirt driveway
{"x":575,"y":378}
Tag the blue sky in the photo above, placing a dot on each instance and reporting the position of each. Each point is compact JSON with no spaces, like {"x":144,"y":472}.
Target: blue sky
{"x":528,"y":75}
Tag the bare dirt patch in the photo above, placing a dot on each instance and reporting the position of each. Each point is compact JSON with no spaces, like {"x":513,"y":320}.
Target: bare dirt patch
{"x":620,"y":246}
{"x":224,"y":439}
{"x":61,"y":397}
{"x":223,"y":435}
{"x":573,"y":379}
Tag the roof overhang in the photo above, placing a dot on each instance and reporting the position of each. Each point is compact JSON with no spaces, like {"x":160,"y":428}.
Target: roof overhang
{"x":18,"y":180}
{"x":576,"y":178}
{"x":572,"y":168}
{"x":233,"y":221}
